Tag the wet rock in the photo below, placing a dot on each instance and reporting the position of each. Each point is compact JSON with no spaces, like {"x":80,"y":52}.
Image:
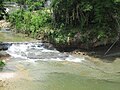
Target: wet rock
{"x":48,"y":46}
{"x":4,"y":46}
{"x":4,"y":54}
{"x":5,"y":30}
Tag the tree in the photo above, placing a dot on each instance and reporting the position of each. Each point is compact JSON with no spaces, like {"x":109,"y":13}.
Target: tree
{"x":1,"y":10}
{"x":96,"y":17}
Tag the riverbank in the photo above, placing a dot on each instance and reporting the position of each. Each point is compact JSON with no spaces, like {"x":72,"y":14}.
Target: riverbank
{"x":99,"y":53}
{"x":96,"y":52}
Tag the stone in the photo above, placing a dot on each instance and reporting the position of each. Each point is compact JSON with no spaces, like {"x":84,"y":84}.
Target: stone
{"x":4,"y":46}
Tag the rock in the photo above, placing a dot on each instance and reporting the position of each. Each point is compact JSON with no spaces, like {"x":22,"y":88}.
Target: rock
{"x":4,"y":54}
{"x":48,"y":46}
{"x":4,"y":46}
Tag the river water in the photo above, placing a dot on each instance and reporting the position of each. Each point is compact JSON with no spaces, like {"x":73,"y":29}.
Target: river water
{"x":36,"y":66}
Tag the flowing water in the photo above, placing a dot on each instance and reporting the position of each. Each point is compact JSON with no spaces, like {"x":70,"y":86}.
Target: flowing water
{"x":36,"y":66}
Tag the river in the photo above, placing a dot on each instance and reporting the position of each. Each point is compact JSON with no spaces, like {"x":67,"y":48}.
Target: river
{"x":36,"y":66}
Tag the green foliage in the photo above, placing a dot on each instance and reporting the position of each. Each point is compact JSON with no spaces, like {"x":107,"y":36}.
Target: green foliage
{"x":74,"y":21}
{"x":29,"y":4}
{"x":2,"y":63}
{"x":35,"y":5}
{"x":96,"y":17}
{"x":1,"y":9}
{"x":30,"y":22}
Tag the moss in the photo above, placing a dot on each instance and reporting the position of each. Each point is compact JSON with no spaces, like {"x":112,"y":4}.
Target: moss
{"x":2,"y":63}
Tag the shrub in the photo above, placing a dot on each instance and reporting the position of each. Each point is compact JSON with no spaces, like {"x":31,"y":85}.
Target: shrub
{"x":93,"y":18}
{"x":30,"y":22}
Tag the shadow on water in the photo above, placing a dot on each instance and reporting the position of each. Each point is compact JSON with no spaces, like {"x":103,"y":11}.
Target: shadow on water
{"x":103,"y":52}
{"x":109,"y":57}
{"x":99,"y":52}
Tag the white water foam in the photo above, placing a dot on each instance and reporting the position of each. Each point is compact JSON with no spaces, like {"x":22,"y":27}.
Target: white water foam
{"x":6,"y":75}
{"x":74,"y":59}
{"x":36,"y":51}
{"x":17,"y":51}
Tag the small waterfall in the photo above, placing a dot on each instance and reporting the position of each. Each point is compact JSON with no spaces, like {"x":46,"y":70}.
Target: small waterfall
{"x":39,"y":51}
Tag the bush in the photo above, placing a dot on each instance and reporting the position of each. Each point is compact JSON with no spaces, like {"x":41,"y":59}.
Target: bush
{"x":95,"y":19}
{"x":30,"y":22}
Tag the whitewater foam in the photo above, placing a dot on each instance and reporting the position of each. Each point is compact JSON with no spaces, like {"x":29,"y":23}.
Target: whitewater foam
{"x":37,"y":51}
{"x":6,"y":75}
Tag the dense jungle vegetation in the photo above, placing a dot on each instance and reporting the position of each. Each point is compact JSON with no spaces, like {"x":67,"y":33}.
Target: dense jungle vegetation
{"x":76,"y":23}
{"x":1,"y":11}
